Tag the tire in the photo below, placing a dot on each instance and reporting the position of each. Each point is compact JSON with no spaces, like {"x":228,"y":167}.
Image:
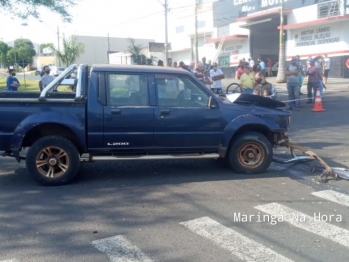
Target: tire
{"x":233,"y":88}
{"x":53,"y":161}
{"x":260,"y":153}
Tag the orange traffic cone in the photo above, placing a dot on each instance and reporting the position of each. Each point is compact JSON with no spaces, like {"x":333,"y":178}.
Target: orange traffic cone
{"x":318,"y":104}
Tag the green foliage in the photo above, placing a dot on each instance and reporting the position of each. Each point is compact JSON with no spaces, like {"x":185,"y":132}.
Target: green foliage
{"x":11,"y":57}
{"x":136,"y":54}
{"x":71,"y":51}
{"x":3,"y":53}
{"x":22,"y":53}
{"x":25,"y":51}
{"x":26,"y":8}
{"x":43,"y":46}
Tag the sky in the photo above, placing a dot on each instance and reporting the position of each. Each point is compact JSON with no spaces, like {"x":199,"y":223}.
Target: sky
{"x":118,"y":18}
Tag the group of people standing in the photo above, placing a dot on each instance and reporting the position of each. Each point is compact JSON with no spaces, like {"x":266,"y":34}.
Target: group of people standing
{"x":317,"y":71}
{"x":209,"y":74}
{"x":12,"y":83}
{"x":252,"y":79}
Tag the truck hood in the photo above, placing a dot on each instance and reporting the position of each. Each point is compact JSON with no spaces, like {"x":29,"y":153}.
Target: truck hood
{"x":255,"y":100}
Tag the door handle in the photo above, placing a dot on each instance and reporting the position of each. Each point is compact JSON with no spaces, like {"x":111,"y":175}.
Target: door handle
{"x":115,"y":111}
{"x":164,"y":112}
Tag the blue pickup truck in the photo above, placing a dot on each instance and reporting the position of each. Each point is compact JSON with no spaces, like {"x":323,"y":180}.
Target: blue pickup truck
{"x":117,"y":113}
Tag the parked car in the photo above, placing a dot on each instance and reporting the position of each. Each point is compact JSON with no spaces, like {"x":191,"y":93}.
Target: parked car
{"x":38,"y":71}
{"x":119,"y":113}
{"x":55,"y":71}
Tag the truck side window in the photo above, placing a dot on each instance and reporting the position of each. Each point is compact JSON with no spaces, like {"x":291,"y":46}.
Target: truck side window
{"x":173,"y":91}
{"x":128,"y":90}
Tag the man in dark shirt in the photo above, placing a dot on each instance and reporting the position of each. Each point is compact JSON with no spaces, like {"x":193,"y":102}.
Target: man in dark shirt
{"x":12,"y":82}
{"x":313,"y":80}
{"x":263,"y":88}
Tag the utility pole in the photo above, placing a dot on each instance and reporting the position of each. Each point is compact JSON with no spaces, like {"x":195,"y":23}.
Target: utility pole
{"x":59,"y":61}
{"x":281,"y":76}
{"x":166,"y":33}
{"x":108,"y":49}
{"x":198,"y":4}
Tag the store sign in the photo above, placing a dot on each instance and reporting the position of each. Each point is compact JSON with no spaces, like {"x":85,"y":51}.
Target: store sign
{"x":251,"y":5}
{"x":227,"y":11}
{"x":317,"y":36}
{"x":236,"y":52}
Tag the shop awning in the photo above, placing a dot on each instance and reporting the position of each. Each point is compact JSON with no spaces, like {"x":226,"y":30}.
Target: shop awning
{"x":318,"y":21}
{"x":268,"y":13}
{"x":229,"y":37}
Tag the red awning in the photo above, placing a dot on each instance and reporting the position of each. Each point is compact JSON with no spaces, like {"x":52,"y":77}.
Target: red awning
{"x":318,"y":21}
{"x":262,"y":14}
{"x":229,"y":37}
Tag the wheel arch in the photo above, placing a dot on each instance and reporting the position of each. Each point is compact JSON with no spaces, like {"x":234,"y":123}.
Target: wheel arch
{"x":247,"y":123}
{"x":48,"y":123}
{"x":48,"y":129}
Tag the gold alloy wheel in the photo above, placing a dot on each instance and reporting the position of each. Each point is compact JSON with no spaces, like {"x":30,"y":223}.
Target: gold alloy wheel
{"x":52,"y":162}
{"x":251,"y":155}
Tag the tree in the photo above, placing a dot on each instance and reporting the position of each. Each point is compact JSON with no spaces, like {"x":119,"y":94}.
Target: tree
{"x":26,"y":8}
{"x":47,"y":45}
{"x":281,"y":76}
{"x":136,"y":54}
{"x":25,"y":52}
{"x":3,"y":53}
{"x":198,"y":4}
{"x":11,"y":57}
{"x":72,"y":49}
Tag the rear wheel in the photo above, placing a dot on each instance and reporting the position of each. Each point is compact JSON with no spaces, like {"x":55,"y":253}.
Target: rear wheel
{"x":53,"y":160}
{"x":250,"y":153}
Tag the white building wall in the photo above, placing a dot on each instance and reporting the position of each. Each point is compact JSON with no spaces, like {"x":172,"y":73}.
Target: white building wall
{"x":184,"y":56}
{"x":303,"y":14}
{"x":330,"y":37}
{"x":96,"y":48}
{"x":181,"y":42}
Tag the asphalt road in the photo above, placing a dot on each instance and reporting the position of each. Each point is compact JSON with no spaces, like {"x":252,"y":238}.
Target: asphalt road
{"x":187,"y":210}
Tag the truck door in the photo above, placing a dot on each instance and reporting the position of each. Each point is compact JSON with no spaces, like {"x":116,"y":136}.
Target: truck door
{"x":182,"y":118}
{"x":128,"y":117}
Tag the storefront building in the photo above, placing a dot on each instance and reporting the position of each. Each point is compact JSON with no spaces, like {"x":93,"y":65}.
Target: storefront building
{"x":250,"y":28}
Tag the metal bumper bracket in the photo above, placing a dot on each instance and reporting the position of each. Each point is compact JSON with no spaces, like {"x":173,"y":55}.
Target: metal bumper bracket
{"x":308,"y":155}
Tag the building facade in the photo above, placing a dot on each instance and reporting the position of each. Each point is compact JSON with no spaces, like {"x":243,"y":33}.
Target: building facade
{"x":98,"y":49}
{"x":250,"y":28}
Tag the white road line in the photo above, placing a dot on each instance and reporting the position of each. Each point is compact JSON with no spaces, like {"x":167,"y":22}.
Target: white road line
{"x":308,"y":223}
{"x":240,"y":246}
{"x":333,"y":196}
{"x":119,"y":249}
{"x":10,"y":260}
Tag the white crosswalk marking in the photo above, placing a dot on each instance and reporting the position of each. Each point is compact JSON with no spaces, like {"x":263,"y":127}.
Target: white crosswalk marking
{"x":333,"y":196}
{"x":239,"y":245}
{"x":119,"y":249}
{"x":308,"y":223}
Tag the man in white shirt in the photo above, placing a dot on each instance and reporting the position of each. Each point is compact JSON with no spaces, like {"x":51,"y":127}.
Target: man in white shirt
{"x":216,"y":75}
{"x":327,"y":63}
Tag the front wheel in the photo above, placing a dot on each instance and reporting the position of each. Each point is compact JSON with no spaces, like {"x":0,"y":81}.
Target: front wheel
{"x":53,"y":160}
{"x":250,"y":153}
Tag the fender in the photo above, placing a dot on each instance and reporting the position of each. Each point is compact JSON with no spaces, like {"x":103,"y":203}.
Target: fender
{"x":244,"y":120}
{"x":74,"y":124}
